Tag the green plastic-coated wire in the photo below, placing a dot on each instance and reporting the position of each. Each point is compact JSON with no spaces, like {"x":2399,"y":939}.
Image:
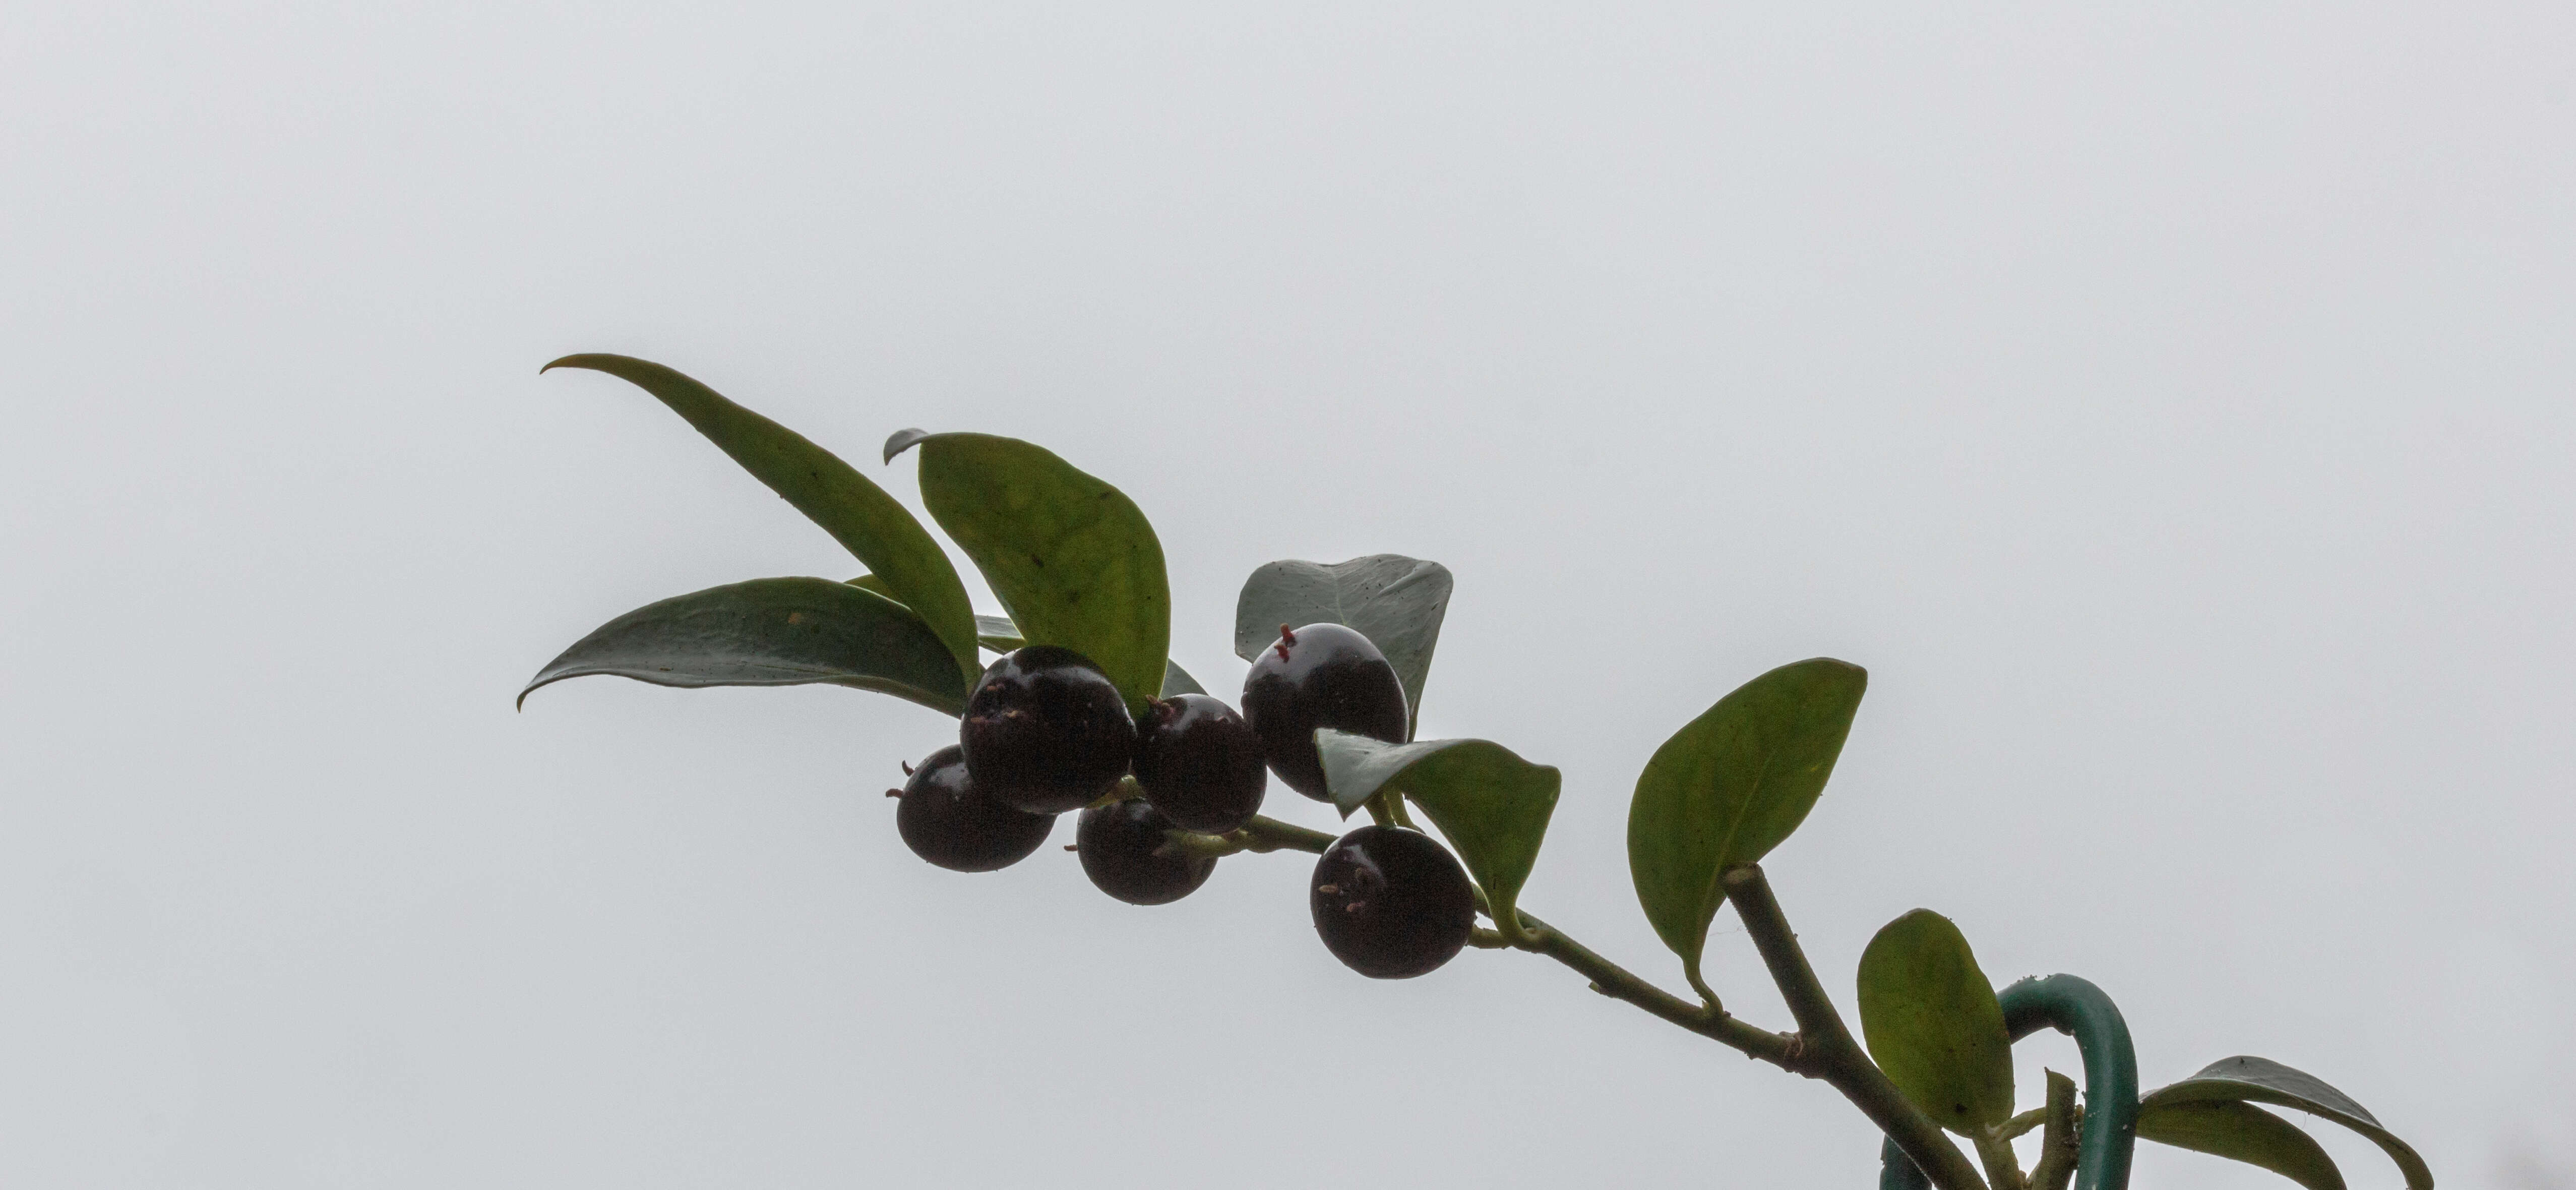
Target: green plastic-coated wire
{"x":2073,"y":1006}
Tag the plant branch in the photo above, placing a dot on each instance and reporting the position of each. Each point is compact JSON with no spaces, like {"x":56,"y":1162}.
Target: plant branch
{"x":1821,"y":1049}
{"x":2058,"y":1143}
{"x":2003,"y":1167}
{"x":1838,"y":1059}
{"x":1259,"y":835}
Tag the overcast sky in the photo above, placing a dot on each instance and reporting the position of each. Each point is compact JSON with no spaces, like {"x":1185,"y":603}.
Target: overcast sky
{"x":2170,"y":408}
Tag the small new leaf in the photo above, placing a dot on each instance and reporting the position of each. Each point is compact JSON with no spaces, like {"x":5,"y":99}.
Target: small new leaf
{"x":1933,"y":1024}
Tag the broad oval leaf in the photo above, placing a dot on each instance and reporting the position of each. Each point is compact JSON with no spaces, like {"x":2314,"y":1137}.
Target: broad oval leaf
{"x":2242,"y":1132}
{"x":1071,"y":558}
{"x":771,"y":632}
{"x":1732,"y":785}
{"x":854,"y":510}
{"x":1933,"y":1024}
{"x":999,"y":634}
{"x":2261,"y":1080}
{"x":1395,"y":601}
{"x":1493,"y":805}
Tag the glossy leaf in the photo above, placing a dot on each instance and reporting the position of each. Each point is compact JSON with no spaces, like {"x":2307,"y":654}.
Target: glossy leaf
{"x":1493,"y":805}
{"x":2242,"y":1132}
{"x":2261,"y":1080}
{"x":1000,"y":635}
{"x":1071,"y":558}
{"x":1933,"y":1023}
{"x":771,"y":632}
{"x":1395,"y":601}
{"x":854,"y":510}
{"x":1732,"y":785}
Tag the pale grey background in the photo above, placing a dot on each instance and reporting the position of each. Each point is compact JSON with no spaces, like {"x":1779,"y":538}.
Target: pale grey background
{"x":2170,"y":407}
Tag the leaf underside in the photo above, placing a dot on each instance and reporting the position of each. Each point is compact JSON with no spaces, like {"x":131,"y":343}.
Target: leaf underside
{"x":1732,"y":785}
{"x":2242,"y":1132}
{"x":857,"y":513}
{"x":2246,"y":1079}
{"x":1395,"y":601}
{"x":1493,"y":805}
{"x":1932,"y":1022}
{"x":771,"y":632}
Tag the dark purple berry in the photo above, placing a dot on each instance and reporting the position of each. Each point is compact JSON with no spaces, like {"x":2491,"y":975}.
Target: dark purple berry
{"x":1045,"y":731}
{"x":1321,"y":675}
{"x":945,"y":819}
{"x":1392,"y":903}
{"x":1126,"y":850}
{"x":1200,"y":764}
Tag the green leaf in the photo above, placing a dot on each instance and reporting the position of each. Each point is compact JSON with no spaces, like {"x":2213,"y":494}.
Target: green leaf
{"x":1492,"y":805}
{"x":2242,"y":1132}
{"x":2261,"y":1080}
{"x":1395,"y":601}
{"x":856,"y":512}
{"x":870,"y":582}
{"x":1000,"y":635}
{"x":1071,"y":558}
{"x":1731,"y":786}
{"x":771,"y":632}
{"x":1934,"y":1025}
{"x":1178,"y":681}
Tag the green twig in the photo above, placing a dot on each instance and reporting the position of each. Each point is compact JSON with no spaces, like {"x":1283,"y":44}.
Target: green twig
{"x":1827,"y":1044}
{"x":1821,"y":1049}
{"x":2003,"y":1166}
{"x":2059,"y":1143}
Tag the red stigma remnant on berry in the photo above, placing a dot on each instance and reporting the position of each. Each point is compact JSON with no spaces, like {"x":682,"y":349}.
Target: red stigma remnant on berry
{"x":1287,"y":637}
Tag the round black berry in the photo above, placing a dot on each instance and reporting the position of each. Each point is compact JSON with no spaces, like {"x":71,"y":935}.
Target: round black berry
{"x":1199,"y":763}
{"x":1321,"y":675}
{"x":1126,"y":852}
{"x":945,"y":819}
{"x":1045,"y":731}
{"x":1391,"y":903}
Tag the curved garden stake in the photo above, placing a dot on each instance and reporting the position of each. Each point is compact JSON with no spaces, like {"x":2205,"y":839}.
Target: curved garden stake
{"x":2073,"y":1006}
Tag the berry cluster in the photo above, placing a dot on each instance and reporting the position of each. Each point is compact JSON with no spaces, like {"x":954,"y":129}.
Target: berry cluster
{"x":1046,"y":732}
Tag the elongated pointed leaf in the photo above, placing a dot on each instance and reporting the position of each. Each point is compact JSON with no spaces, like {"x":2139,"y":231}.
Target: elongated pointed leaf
{"x":1933,"y":1023}
{"x":856,"y":512}
{"x":1071,"y":558}
{"x":1002,"y":636}
{"x":771,"y":632}
{"x":1395,"y":601}
{"x":1493,"y":805}
{"x":2242,"y":1132}
{"x":2262,"y":1080}
{"x":1731,"y":786}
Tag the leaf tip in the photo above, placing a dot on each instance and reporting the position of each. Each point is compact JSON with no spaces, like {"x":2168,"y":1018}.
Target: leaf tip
{"x":903,"y":440}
